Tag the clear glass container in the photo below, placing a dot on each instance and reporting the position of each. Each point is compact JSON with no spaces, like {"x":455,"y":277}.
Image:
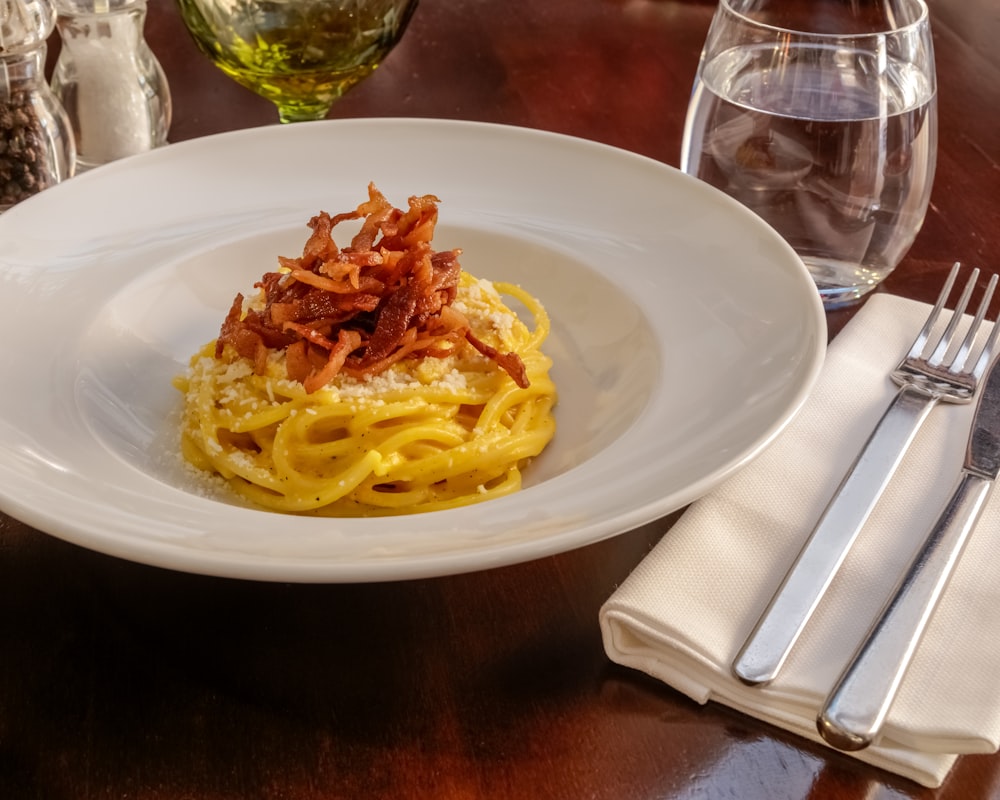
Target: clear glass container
{"x":36,"y":141}
{"x":109,"y":81}
{"x":821,"y":117}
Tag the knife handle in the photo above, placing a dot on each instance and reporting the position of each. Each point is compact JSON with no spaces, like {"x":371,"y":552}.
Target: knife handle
{"x":778,"y":628}
{"x":853,"y":713}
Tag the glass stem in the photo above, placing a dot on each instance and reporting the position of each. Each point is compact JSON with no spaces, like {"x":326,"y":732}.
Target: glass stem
{"x":300,"y":112}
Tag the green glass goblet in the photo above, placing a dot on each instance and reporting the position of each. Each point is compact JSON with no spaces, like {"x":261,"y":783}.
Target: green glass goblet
{"x":302,"y":55}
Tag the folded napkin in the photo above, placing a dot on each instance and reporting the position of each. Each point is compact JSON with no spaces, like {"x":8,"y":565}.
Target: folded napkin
{"x":684,"y":612}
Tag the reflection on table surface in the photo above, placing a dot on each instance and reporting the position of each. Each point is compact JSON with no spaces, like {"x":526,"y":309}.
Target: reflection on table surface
{"x":124,"y":681}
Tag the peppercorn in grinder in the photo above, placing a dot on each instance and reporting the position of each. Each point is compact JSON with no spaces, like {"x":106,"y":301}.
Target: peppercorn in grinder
{"x":37,"y":148}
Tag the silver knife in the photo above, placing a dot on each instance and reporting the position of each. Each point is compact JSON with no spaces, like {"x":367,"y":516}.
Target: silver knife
{"x":853,"y":714}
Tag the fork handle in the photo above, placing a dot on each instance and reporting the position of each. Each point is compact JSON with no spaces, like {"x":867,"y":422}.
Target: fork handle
{"x":853,"y":714}
{"x":765,"y":650}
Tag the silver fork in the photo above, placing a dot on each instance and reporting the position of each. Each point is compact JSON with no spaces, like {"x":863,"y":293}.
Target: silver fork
{"x":923,"y":381}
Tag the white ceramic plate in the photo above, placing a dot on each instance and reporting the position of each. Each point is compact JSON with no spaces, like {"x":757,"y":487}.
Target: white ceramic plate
{"x":686,"y":335}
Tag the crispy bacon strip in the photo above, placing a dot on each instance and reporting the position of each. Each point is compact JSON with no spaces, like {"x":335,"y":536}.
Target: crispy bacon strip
{"x":510,"y":362}
{"x":361,"y":308}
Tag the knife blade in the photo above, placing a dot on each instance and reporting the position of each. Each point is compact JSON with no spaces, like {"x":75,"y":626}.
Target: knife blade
{"x":855,"y":710}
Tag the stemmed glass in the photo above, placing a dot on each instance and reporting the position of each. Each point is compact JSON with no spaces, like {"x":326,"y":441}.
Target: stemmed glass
{"x":302,"y":55}
{"x":820,"y":115}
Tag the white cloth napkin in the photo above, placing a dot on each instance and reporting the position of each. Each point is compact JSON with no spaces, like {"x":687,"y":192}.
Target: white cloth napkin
{"x":685,"y":610}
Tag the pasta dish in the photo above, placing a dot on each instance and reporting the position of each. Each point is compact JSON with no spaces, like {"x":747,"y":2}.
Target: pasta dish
{"x":374,"y":378}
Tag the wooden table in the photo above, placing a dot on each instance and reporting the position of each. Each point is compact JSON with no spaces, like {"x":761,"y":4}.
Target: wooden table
{"x":125,"y":681}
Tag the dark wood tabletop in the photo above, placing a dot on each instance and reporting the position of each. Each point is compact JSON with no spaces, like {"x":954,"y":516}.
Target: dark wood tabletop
{"x":122,"y":681}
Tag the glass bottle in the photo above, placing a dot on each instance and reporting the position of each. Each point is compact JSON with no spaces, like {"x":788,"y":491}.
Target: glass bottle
{"x":109,"y":81}
{"x":36,"y":141}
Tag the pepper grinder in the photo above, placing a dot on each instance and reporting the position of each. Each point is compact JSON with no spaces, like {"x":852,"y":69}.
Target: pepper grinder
{"x":109,"y":81}
{"x":36,"y":142}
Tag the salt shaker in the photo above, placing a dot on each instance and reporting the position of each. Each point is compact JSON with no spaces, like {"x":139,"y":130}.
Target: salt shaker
{"x":36,"y":141}
{"x":109,"y":81}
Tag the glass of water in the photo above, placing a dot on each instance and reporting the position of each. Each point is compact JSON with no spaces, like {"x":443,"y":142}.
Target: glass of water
{"x":821,"y":116}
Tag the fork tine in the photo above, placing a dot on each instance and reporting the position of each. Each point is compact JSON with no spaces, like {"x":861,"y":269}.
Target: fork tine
{"x":958,"y":362}
{"x":917,"y":348}
{"x":987,"y":355}
{"x":956,"y":317}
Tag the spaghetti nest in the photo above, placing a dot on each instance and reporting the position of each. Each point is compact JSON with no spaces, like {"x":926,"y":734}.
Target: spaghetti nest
{"x":379,"y":378}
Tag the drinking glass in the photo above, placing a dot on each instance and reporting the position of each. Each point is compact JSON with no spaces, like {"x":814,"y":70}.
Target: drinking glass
{"x":302,"y":55}
{"x":821,"y":116}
